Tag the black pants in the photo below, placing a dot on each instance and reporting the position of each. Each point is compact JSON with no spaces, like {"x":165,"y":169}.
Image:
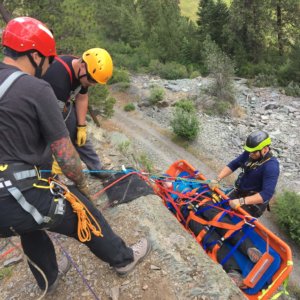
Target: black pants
{"x":38,"y":246}
{"x":208,"y":213}
{"x":255,"y":210}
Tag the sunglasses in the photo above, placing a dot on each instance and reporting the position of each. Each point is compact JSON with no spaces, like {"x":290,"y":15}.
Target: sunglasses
{"x":89,"y":78}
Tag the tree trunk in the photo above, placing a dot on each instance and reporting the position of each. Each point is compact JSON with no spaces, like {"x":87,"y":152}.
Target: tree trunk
{"x":6,"y":15}
{"x":279,"y":28}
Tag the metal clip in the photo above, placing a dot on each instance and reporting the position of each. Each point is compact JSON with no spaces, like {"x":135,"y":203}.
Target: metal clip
{"x":56,"y":185}
{"x":250,"y":217}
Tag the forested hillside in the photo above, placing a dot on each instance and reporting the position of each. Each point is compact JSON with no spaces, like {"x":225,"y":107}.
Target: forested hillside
{"x":254,"y":39}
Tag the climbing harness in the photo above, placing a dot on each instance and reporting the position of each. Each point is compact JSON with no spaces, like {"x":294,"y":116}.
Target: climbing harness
{"x":66,"y":107}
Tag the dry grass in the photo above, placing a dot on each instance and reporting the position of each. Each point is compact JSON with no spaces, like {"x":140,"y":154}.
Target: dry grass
{"x":189,"y":8}
{"x":237,"y":111}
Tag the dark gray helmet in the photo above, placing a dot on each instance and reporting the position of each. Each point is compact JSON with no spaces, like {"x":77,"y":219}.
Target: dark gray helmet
{"x":257,"y":140}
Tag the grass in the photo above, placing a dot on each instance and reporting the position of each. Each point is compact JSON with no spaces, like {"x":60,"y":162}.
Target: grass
{"x":5,"y":272}
{"x":189,"y":8}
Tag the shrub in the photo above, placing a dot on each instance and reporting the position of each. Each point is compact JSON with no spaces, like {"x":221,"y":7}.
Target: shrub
{"x":156,"y":94}
{"x":123,"y":86}
{"x":119,"y":75}
{"x":222,"y":107}
{"x":124,"y":147}
{"x":262,"y":80}
{"x":101,"y":101}
{"x":185,"y":124}
{"x":293,"y":89}
{"x":287,"y":212}
{"x":195,"y":74}
{"x":129,"y":107}
{"x":221,"y":69}
{"x":173,"y":70}
{"x":145,"y":163}
{"x":170,"y":70}
{"x":186,"y":104}
{"x":108,"y":109}
{"x":155,"y":67}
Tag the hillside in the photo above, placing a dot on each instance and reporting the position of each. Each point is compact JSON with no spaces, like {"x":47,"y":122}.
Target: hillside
{"x":189,"y":8}
{"x":177,"y":268}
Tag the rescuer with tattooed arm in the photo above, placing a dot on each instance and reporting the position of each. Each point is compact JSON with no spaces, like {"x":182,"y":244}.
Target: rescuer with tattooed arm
{"x":30,"y":121}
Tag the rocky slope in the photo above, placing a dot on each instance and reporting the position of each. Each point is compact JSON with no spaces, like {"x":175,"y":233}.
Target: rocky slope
{"x":177,"y":268}
{"x":257,"y":108}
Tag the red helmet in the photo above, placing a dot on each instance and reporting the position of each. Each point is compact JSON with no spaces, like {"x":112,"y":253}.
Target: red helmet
{"x":25,"y":33}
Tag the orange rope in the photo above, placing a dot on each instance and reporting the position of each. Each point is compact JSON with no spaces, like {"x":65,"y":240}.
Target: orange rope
{"x":85,"y":225}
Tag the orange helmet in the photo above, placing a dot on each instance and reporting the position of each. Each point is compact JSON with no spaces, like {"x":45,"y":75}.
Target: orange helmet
{"x":99,"y":64}
{"x":24,"y":33}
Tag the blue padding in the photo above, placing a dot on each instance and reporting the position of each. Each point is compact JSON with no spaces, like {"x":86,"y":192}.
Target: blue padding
{"x":246,"y":265}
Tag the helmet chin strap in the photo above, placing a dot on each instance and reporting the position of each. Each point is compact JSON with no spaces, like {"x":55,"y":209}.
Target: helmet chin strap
{"x":38,"y":68}
{"x":80,"y":76}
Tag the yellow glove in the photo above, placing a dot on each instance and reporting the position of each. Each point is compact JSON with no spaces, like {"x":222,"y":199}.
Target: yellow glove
{"x":81,"y":135}
{"x":56,"y":168}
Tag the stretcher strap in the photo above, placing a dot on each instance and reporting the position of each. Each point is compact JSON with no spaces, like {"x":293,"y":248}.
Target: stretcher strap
{"x":235,"y":246}
{"x":215,"y":223}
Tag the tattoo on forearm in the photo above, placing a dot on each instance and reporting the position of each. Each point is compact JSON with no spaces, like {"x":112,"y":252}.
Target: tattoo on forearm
{"x":68,"y":159}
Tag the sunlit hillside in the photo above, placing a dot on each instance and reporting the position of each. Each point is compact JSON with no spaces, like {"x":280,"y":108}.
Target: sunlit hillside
{"x":189,"y":8}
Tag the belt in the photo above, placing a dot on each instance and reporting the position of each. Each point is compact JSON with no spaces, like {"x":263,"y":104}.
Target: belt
{"x":16,"y":178}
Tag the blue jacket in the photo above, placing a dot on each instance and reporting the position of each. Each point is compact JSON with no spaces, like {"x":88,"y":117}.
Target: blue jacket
{"x":262,"y":179}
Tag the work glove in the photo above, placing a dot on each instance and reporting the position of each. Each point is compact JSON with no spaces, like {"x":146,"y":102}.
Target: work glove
{"x":214,"y":183}
{"x":234,"y":203}
{"x":56,"y":170}
{"x":81,"y":135}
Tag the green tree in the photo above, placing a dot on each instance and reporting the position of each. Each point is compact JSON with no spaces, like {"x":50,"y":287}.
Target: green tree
{"x":249,"y":25}
{"x":213,"y":16}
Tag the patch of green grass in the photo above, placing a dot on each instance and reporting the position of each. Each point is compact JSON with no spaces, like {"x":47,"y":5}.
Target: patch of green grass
{"x":5,"y":272}
{"x":145,"y":163}
{"x":189,"y":8}
{"x":129,"y":107}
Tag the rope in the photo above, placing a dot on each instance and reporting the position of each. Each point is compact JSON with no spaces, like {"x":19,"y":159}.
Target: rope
{"x":55,"y":237}
{"x":85,"y":219}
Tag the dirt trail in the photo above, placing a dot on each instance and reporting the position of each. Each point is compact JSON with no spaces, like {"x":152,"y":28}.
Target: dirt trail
{"x":143,"y":131}
{"x":147,"y":135}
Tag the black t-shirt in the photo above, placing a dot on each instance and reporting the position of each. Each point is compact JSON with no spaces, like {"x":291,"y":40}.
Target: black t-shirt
{"x":30,"y":119}
{"x":59,"y":78}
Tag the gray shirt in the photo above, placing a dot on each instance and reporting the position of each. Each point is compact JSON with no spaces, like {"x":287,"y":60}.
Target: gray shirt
{"x":30,"y":120}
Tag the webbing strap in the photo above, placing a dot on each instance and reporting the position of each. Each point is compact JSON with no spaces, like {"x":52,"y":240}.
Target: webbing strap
{"x":16,"y":193}
{"x":9,"y":81}
{"x":219,"y":224}
{"x":66,"y":67}
{"x":25,"y":174}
